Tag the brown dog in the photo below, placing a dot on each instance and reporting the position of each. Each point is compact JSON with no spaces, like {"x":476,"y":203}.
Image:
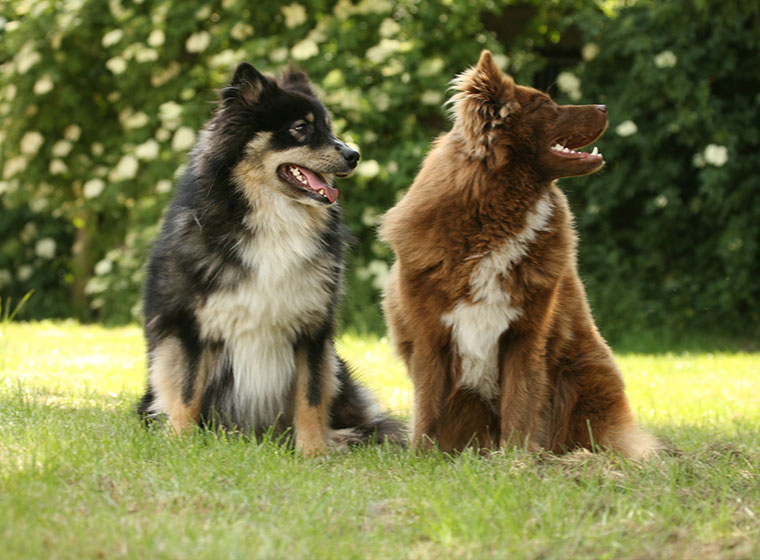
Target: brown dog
{"x":484,"y":302}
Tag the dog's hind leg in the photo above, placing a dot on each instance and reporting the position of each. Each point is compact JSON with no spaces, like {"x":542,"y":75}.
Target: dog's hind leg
{"x":176,"y":393}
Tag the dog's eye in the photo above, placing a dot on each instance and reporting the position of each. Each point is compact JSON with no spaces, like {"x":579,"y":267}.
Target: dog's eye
{"x":300,"y":128}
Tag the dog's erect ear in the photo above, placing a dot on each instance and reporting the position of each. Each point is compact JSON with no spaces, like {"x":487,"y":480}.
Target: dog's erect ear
{"x":485,"y":98}
{"x":296,"y":80}
{"x":248,"y":85}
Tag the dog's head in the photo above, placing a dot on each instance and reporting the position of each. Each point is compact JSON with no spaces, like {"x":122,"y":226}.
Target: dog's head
{"x":504,"y":123}
{"x":277,"y":133}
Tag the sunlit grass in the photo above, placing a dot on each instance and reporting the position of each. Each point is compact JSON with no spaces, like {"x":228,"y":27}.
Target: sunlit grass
{"x":80,"y":478}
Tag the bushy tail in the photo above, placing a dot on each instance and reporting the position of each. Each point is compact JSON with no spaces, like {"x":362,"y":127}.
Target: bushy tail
{"x":354,"y":408}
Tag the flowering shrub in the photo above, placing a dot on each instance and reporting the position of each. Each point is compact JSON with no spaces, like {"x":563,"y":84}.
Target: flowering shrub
{"x":671,"y":227}
{"x":100,"y":102}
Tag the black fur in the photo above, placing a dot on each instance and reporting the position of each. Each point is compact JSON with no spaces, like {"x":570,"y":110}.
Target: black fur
{"x":201,"y":255}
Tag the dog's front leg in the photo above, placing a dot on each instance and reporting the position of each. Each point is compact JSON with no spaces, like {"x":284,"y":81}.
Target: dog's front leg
{"x":315,"y":387}
{"x":524,"y":395}
{"x":429,"y":377}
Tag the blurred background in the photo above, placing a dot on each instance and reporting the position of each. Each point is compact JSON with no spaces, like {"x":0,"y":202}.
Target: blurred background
{"x":100,"y":101}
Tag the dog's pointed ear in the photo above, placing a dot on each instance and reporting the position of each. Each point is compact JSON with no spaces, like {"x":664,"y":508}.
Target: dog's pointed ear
{"x":297,"y":80}
{"x":485,"y":98}
{"x":248,"y":85}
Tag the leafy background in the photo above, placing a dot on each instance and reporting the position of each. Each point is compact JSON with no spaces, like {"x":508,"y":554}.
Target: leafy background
{"x":101,"y":101}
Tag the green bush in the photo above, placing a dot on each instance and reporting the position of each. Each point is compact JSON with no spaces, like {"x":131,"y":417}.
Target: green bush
{"x":100,"y":102}
{"x":671,"y":228}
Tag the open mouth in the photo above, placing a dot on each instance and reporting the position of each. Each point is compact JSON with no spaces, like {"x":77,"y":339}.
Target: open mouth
{"x":311,"y":182}
{"x":569,"y":148}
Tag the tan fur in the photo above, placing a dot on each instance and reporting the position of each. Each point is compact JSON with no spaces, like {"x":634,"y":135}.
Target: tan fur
{"x":485,"y":279}
{"x":310,"y":421}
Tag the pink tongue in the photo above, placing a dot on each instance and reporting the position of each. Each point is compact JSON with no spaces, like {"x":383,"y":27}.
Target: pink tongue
{"x":316,"y":183}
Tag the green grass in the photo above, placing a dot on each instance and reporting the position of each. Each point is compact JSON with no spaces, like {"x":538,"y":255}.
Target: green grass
{"x":79,"y":478}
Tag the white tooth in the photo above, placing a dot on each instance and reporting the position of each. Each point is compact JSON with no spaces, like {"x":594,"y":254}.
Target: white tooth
{"x":322,"y":192}
{"x":595,"y":151}
{"x":566,"y":150}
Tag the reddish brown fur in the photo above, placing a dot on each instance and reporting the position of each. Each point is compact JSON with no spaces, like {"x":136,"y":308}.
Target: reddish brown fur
{"x":480,"y":189}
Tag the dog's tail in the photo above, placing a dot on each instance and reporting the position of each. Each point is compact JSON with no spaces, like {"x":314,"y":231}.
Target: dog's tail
{"x":355,"y":410}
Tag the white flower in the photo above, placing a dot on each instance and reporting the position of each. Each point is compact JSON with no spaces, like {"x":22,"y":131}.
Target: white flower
{"x":26,"y":58}
{"x":295,"y":15}
{"x":384,"y":49}
{"x":5,"y":278}
{"x":170,"y":113}
{"x":62,"y":148}
{"x":203,"y":13}
{"x":165,"y":75}
{"x":431,"y":97}
{"x":241,"y":31}
{"x":183,"y":139}
{"x":14,"y":166}
{"x":698,"y":160}
{"x":25,"y":272}
{"x":31,"y":142}
{"x":368,"y":168}
{"x":58,"y":167}
{"x":45,"y":248}
{"x":117,"y":65}
{"x":93,"y":188}
{"x":156,"y":38}
{"x":10,"y":92}
{"x":626,"y":128}
{"x":72,"y":132}
{"x":716,"y":155}
{"x":103,"y":266}
{"x":278,"y":55}
{"x":666,"y":59}
{"x":661,"y":201}
{"x":163,"y":186}
{"x":112,"y":37}
{"x":431,"y":67}
{"x":590,"y":51}
{"x":225,"y":59}
{"x":304,"y":49}
{"x":570,"y":84}
{"x":146,"y":55}
{"x":126,"y":169}
{"x":198,"y":42}
{"x":148,"y":150}
{"x":162,"y":135}
{"x":97,"y":149}
{"x":389,"y":27}
{"x":28,"y":232}
{"x":43,"y":85}
{"x":130,"y":120}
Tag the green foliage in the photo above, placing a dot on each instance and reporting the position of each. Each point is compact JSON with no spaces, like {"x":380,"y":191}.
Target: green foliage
{"x":671,"y":229}
{"x":81,"y":478}
{"x":100,"y":102}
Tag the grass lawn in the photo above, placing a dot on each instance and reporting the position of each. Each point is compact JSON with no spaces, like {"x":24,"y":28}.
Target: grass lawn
{"x":79,"y":477}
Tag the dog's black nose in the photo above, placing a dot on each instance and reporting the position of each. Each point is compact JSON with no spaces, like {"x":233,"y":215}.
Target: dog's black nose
{"x":351,"y":156}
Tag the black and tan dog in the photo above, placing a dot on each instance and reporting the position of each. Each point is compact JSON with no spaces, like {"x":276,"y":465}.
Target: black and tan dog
{"x":245,"y":278}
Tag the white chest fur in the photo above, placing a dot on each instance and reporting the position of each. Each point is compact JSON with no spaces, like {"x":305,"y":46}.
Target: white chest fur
{"x":477,"y":324}
{"x":259,"y":318}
